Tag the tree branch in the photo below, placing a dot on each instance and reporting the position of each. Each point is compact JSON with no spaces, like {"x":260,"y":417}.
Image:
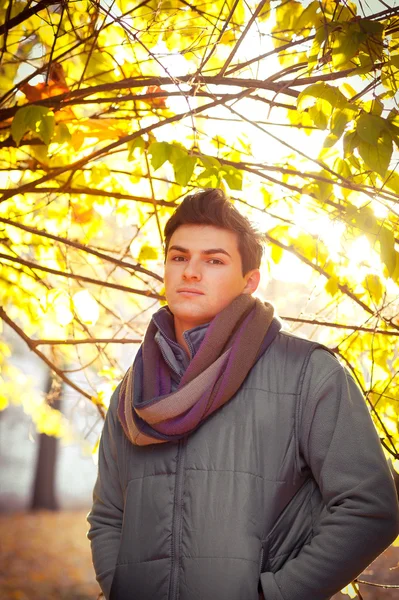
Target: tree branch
{"x":26,"y":14}
{"x":134,"y":82}
{"x":77,"y":245}
{"x":340,"y":325}
{"x":107,"y":149}
{"x":115,"y":286}
{"x":342,"y":287}
{"x":242,"y":37}
{"x":387,"y":586}
{"x":43,"y":357}
{"x":36,"y":343}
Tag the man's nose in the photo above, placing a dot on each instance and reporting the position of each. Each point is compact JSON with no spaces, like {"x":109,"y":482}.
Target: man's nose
{"x":192,"y":270}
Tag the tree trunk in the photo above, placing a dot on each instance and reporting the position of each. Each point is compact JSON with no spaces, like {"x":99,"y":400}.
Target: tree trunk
{"x":44,"y":493}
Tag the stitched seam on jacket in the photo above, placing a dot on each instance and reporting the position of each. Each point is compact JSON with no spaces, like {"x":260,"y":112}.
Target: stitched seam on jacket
{"x":326,"y":378}
{"x":256,"y":389}
{"x":145,"y":476}
{"x":235,"y":472}
{"x":210,"y":471}
{"x":142,"y":562}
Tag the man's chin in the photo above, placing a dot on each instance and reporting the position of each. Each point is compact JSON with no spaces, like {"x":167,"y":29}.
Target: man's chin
{"x":197,"y":317}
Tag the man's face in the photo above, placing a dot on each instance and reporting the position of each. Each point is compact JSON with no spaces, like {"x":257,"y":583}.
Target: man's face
{"x":203,"y":274}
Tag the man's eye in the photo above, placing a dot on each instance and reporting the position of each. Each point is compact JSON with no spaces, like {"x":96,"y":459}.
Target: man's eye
{"x":178,"y":258}
{"x":216,"y":261}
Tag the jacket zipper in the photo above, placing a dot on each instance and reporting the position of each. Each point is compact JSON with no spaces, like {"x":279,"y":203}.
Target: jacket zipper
{"x":262,"y":552}
{"x":177,"y":521}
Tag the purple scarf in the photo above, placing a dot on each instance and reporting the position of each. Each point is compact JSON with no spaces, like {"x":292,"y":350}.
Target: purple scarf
{"x":150,"y":413}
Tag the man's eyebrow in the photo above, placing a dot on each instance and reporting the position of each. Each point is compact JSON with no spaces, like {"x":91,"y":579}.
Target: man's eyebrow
{"x":215,"y":251}
{"x":207,"y":252}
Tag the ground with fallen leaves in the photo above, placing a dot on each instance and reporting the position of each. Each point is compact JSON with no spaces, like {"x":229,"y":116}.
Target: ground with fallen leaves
{"x":46,"y":556}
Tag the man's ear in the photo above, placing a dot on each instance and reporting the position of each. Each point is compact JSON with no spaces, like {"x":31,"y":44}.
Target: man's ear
{"x":252,"y":281}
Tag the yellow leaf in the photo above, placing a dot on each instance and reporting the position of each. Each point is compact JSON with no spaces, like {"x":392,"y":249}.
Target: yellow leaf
{"x":99,"y":400}
{"x":77,"y":139}
{"x":147,"y":253}
{"x":276,"y":253}
{"x":3,"y":402}
{"x":350,"y":591}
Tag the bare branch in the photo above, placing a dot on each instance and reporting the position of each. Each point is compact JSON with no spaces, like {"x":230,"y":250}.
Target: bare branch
{"x":77,"y":245}
{"x":340,"y":325}
{"x":342,"y":287}
{"x":26,"y":14}
{"x":43,"y":357}
{"x":85,"y":341}
{"x":114,"y":286}
{"x":242,"y":37}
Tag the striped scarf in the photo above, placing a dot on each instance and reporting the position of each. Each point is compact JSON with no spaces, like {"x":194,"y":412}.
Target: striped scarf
{"x":151,"y":413}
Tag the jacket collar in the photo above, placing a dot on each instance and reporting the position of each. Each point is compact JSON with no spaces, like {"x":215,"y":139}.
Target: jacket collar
{"x":173,"y":353}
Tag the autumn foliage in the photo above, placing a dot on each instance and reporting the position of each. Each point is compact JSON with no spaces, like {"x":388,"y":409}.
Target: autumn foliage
{"x":110,"y":112}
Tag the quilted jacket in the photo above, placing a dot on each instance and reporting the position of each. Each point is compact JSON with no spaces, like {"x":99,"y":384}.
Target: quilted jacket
{"x":284,"y":492}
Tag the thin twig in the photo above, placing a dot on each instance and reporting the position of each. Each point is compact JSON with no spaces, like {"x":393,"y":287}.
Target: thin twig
{"x":339,"y":325}
{"x":36,"y":343}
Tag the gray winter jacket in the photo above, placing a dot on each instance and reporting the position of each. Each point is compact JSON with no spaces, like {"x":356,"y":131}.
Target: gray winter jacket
{"x":285,"y":487}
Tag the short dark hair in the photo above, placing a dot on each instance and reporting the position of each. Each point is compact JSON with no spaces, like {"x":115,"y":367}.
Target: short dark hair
{"x":211,"y":206}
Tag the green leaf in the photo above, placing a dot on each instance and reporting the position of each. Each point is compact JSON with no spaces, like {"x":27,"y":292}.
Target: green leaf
{"x":345,"y":46}
{"x":374,"y":107}
{"x":138,"y":142}
{"x":323,"y":91}
{"x":209,"y":178}
{"x":374,"y":28}
{"x":377,"y":156}
{"x":308,"y":18}
{"x":366,"y":221}
{"x":330,"y":140}
{"x":160,"y":152}
{"x":209,"y":161}
{"x":339,"y":120}
{"x":388,"y":253}
{"x":351,"y":141}
{"x":373,"y":284}
{"x":320,"y":113}
{"x":321,"y":190}
{"x":369,"y":127}
{"x":184,"y":169}
{"x":233,"y":177}
{"x":342,"y":168}
{"x":177,"y":153}
{"x":319,"y":39}
{"x":38,"y":119}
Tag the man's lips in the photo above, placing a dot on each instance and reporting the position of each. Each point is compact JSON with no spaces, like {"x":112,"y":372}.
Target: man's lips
{"x":189,"y":291}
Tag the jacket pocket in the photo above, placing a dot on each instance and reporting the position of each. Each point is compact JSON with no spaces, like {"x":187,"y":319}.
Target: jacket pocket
{"x":294,"y":528}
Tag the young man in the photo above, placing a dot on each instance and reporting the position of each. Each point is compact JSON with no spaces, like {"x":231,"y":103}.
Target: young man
{"x":237,"y":461}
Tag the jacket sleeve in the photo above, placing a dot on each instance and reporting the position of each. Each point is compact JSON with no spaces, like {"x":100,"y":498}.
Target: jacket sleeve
{"x":105,"y":517}
{"x":340,"y":446}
